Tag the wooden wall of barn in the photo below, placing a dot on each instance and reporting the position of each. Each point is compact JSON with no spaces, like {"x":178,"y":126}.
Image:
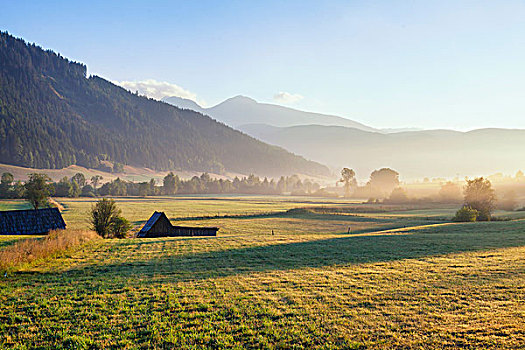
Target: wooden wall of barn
{"x":193,"y":231}
{"x":160,"y":228}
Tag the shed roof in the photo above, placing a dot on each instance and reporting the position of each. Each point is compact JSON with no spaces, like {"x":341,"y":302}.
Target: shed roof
{"x":159,"y":214}
{"x":26,"y":222}
{"x":152,"y":220}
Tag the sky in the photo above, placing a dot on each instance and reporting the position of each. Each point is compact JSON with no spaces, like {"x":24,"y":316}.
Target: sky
{"x":387,"y":64}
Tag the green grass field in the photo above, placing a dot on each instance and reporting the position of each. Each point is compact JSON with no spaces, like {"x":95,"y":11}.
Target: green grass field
{"x":403,"y":278}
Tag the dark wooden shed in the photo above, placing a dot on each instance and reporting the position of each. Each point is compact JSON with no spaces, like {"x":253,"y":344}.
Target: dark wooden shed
{"x":159,"y":225}
{"x":30,"y":222}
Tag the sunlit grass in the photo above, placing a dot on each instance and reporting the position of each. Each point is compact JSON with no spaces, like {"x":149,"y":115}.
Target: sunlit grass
{"x":411,"y":281}
{"x":25,"y":251}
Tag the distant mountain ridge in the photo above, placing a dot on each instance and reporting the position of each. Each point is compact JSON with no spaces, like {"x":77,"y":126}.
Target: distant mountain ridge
{"x":415,"y":154}
{"x":53,"y":116}
{"x":241,"y":110}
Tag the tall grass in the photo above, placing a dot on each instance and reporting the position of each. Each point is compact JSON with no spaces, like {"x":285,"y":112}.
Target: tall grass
{"x":30,"y":250}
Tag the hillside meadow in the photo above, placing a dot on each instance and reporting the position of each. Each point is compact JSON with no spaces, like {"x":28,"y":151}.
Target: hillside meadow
{"x":404,"y":277}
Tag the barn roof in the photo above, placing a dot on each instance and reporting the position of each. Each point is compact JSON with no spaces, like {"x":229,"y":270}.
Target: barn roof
{"x":152,"y":220}
{"x":158,"y":215}
{"x":26,"y":222}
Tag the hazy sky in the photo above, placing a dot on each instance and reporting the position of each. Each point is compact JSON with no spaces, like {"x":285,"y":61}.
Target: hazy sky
{"x":430,"y":64}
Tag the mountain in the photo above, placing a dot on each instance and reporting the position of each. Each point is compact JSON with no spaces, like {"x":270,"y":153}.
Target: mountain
{"x":53,"y":116}
{"x":415,"y":154}
{"x":241,"y":110}
{"x":184,"y":103}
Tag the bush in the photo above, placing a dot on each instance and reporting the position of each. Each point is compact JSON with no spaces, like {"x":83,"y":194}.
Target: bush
{"x":466,"y":214}
{"x":106,"y":219}
{"x":119,"y":227}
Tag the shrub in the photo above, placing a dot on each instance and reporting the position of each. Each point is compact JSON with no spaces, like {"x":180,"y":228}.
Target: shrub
{"x":466,"y":214}
{"x":106,"y":219}
{"x":119,"y":227}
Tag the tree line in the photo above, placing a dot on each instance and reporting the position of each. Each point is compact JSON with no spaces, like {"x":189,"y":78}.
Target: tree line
{"x":80,"y":186}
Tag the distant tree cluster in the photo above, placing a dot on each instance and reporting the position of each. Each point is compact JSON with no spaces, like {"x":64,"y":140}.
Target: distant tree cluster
{"x":349,"y":180}
{"x":205,"y":184}
{"x":380,"y":185}
{"x":79,"y":186}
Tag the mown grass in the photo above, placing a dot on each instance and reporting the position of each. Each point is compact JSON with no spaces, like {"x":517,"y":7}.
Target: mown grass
{"x":401,"y":279}
{"x":138,"y":210}
{"x":443,"y":286}
{"x":245,"y":211}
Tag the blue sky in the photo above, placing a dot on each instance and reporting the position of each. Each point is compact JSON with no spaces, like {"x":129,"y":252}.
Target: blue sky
{"x":428,"y":64}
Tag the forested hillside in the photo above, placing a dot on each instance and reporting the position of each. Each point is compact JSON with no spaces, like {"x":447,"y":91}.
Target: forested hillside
{"x":52,"y":116}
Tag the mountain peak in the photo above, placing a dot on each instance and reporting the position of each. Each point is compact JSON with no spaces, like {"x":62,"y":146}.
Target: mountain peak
{"x":241,"y":99}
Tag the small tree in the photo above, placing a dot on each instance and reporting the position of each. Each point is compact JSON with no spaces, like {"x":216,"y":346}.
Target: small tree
{"x":383,"y":181}
{"x":101,"y":214}
{"x":19,"y":190}
{"x":5,"y":185}
{"x":95,"y":181}
{"x":170,"y":183}
{"x":75,"y":190}
{"x":37,"y":190}
{"x":348,"y":178}
{"x":63,"y":188}
{"x":106,"y":219}
{"x":479,"y":195}
{"x":7,"y":178}
{"x":80,"y":179}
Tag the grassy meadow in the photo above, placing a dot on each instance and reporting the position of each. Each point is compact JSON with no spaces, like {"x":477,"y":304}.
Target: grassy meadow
{"x":403,"y":277}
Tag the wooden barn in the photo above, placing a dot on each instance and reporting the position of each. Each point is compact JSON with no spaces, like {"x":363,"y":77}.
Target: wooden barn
{"x":30,"y":222}
{"x":159,"y":225}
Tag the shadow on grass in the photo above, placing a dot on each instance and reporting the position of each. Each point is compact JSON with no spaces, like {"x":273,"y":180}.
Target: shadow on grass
{"x":342,"y":251}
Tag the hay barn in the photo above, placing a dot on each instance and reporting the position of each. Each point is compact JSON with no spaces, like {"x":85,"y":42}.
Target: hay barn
{"x":30,"y":222}
{"x":159,"y":225}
